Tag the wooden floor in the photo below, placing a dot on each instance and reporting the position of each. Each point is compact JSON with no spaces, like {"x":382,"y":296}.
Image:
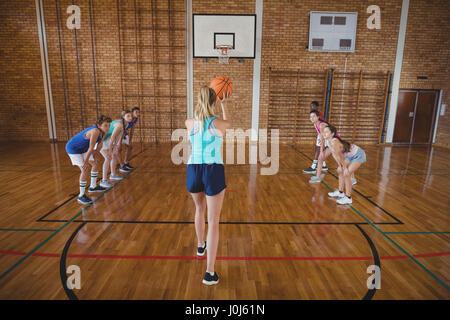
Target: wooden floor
{"x":280,"y":237}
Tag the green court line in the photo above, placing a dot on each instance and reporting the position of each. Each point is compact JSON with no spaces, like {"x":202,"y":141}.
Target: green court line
{"x":398,"y":246}
{"x":57,"y":231}
{"x":418,"y":232}
{"x":6,"y":229}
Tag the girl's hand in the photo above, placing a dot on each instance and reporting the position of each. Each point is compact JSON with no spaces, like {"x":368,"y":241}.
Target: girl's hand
{"x":85,"y":166}
{"x":226,"y":96}
{"x":346,"y":171}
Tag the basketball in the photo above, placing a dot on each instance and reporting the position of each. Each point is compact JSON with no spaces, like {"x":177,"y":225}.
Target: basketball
{"x":222,"y":85}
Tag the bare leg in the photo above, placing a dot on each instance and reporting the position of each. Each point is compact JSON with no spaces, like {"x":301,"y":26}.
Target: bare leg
{"x":106,"y":164}
{"x":341,"y":178}
{"x":352,"y":167}
{"x":119,"y":153}
{"x":96,"y":163}
{"x":114,"y":161}
{"x":128,"y":149}
{"x":317,"y":153}
{"x":323,"y":155}
{"x":214,"y":207}
{"x":84,"y":174}
{"x":200,"y":210}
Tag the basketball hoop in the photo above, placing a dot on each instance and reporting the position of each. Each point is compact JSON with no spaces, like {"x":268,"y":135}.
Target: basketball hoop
{"x":222,"y":50}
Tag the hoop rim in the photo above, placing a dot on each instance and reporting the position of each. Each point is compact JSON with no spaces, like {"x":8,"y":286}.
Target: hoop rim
{"x":224,"y":46}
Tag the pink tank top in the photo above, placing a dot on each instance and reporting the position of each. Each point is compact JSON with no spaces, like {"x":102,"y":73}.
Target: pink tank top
{"x":318,"y":128}
{"x":353,"y":150}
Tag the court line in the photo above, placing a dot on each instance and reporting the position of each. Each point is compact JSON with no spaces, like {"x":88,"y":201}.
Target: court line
{"x":376,"y":261}
{"x":72,"y":196}
{"x":143,"y":257}
{"x":61,"y":228}
{"x":417,"y":232}
{"x":7,"y":229}
{"x":62,"y":265}
{"x":361,"y":194}
{"x":226,"y":222}
{"x":398,"y":246}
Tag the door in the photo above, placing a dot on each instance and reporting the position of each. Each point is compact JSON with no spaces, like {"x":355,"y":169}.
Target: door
{"x":405,"y":116}
{"x":416,"y":113}
{"x":424,"y":119}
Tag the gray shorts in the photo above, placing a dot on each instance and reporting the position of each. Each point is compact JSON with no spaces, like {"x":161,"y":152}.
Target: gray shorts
{"x":360,"y":156}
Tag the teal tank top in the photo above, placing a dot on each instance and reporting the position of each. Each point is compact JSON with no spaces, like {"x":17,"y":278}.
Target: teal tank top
{"x":206,"y":144}
{"x":111,"y":129}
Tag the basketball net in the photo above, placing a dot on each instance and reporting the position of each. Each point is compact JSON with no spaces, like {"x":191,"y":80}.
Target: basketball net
{"x":222,"y":50}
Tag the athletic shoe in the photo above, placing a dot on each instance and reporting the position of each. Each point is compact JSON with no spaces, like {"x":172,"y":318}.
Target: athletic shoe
{"x":344,"y":200}
{"x":124,"y":169}
{"x":201,"y":250}
{"x":314,"y":179}
{"x":310,"y":170}
{"x":97,"y":189}
{"x":325,"y":168}
{"x":115,"y":177}
{"x":84,"y":199}
{"x":105,"y":184}
{"x":128,"y":166}
{"x":210,"y":280}
{"x":336,"y":193}
{"x":353,"y":181}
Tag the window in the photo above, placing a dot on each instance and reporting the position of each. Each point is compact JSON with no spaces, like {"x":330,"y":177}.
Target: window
{"x":340,"y":21}
{"x":326,"y":20}
{"x":317,"y":43}
{"x":345,"y":43}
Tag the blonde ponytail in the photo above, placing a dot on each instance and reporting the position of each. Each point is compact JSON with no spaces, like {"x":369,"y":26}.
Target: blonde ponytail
{"x":204,"y":108}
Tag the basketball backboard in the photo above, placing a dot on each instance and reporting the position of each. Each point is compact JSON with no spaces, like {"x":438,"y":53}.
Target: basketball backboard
{"x":212,"y":30}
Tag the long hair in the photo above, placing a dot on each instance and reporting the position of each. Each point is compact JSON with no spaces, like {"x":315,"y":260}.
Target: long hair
{"x":346,"y":145}
{"x":318,"y":116}
{"x":204,"y":108}
{"x":122,"y":116}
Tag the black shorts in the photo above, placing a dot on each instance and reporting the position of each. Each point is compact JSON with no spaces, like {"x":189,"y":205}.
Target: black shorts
{"x":209,"y":178}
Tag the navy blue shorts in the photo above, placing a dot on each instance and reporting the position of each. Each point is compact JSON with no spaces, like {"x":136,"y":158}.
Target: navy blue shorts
{"x":209,"y":178}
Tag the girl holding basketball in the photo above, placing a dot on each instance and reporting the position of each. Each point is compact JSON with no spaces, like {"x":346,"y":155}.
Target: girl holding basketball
{"x":83,"y":152}
{"x":205,"y":178}
{"x":110,"y":150}
{"x":349,"y":158}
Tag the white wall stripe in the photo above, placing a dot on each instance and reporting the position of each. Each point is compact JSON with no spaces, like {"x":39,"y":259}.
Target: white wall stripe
{"x":189,"y":61}
{"x":45,"y":70}
{"x":397,"y":71}
{"x":259,"y":4}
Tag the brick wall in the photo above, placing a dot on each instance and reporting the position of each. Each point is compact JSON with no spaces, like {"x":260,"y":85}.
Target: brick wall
{"x":22,"y":102}
{"x":427,"y":53}
{"x":285,"y":38}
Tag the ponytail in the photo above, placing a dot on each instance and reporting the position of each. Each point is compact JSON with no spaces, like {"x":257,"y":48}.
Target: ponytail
{"x":204,"y":108}
{"x":345,"y":144}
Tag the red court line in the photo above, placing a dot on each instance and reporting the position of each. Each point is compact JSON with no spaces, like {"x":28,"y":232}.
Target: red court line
{"x":106,"y":256}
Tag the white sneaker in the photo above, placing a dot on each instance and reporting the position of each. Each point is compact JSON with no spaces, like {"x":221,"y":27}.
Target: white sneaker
{"x":314,"y":179}
{"x":353,"y":181}
{"x":336,"y":193}
{"x":115,"y":177}
{"x":344,"y":200}
{"x":105,"y":184}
